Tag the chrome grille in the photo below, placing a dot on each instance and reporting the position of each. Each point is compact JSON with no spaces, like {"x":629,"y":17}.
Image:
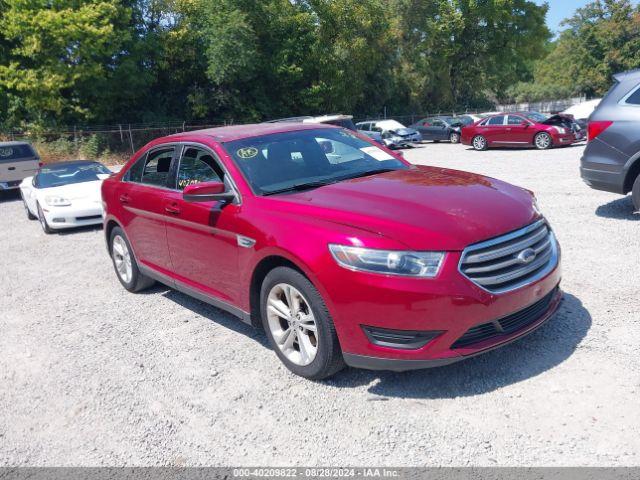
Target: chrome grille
{"x":512,"y":260}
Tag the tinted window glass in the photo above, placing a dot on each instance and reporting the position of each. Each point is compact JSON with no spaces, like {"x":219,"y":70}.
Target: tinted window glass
{"x":196,"y":166}
{"x":437,"y":123}
{"x":58,"y":175}
{"x":513,"y":120}
{"x":536,"y":117}
{"x":499,"y":120}
{"x":153,"y":169}
{"x":294,"y":159}
{"x":634,"y":98}
{"x":11,"y":153}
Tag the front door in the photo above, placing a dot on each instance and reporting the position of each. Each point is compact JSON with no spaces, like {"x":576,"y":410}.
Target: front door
{"x":202,"y":236}
{"x":520,"y":131}
{"x":141,"y":196}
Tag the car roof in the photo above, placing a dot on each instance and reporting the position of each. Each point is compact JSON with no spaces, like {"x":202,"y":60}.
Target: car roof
{"x":239,"y":132}
{"x":628,"y":74}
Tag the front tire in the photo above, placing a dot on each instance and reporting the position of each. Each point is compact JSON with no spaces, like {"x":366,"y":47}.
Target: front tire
{"x":635,"y":193}
{"x":543,"y":141}
{"x":298,"y":325}
{"x":454,"y":137}
{"x":479,"y":143}
{"x":43,"y":221}
{"x":30,"y":215}
{"x":124,"y":263}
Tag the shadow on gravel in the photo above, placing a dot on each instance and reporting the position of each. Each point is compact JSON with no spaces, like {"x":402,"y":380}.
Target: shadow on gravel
{"x":214,"y":314}
{"x":9,"y":195}
{"x":76,"y":230}
{"x":620,"y":209}
{"x":528,"y":357}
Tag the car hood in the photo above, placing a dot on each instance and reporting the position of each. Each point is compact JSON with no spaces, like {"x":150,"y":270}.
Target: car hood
{"x":425,"y":208}
{"x":75,"y":191}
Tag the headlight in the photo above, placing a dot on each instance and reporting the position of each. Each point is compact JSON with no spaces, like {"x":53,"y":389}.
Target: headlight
{"x":390,"y":262}
{"x":55,"y":201}
{"x":560,"y":130}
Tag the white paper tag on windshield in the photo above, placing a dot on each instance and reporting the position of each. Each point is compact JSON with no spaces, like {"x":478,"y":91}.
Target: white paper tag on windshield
{"x":376,"y":153}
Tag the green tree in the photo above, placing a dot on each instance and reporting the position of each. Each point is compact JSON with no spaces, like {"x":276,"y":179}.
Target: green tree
{"x":62,"y":55}
{"x":602,"y":39}
{"x":457,"y":52}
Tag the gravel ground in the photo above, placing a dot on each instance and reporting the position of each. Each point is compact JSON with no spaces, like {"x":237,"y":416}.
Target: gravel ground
{"x":93,"y":375}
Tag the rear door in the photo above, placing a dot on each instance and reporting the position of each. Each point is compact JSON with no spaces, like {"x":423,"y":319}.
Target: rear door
{"x":141,"y":196}
{"x":17,"y":162}
{"x":494,"y":129}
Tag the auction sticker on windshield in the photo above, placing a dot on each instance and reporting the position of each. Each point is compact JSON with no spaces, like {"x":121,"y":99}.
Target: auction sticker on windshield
{"x":247,"y":152}
{"x":376,"y":153}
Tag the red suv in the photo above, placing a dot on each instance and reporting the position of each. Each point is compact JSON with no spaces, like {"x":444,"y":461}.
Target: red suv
{"x":521,"y":130}
{"x":339,"y":248}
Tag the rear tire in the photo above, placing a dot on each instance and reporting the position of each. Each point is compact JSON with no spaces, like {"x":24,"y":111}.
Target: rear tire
{"x":479,"y":143}
{"x":322,"y":356}
{"x":125,"y":264}
{"x":543,"y":141}
{"x":635,"y":193}
{"x":454,"y":137}
{"x":43,"y":221}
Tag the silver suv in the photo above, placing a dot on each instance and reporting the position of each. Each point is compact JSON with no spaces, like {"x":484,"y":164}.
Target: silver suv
{"x":611,"y":161}
{"x":18,"y":160}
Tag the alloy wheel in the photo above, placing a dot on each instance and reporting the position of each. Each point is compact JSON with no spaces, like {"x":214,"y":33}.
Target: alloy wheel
{"x":455,"y":138}
{"x":122,"y":258}
{"x":543,"y":141}
{"x":479,"y":143}
{"x":292,"y":324}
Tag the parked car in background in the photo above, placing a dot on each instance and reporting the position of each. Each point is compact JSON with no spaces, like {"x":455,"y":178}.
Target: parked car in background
{"x":467,"y":119}
{"x":439,"y":129}
{"x":358,"y":258}
{"x":393,"y":133}
{"x":582,"y":111}
{"x":611,"y":160}
{"x":65,"y":194}
{"x":520,"y":129}
{"x":339,"y":120}
{"x":18,"y":160}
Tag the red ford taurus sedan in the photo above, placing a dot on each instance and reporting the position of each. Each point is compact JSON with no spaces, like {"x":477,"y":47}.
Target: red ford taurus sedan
{"x":520,"y":130}
{"x":341,"y":250}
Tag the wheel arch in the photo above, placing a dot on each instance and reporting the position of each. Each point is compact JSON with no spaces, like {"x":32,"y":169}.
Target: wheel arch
{"x":630,"y":176}
{"x":261,"y":270}
{"x":108,"y":228}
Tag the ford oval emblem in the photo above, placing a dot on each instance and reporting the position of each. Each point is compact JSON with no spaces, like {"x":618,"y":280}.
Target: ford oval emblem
{"x":527,"y":255}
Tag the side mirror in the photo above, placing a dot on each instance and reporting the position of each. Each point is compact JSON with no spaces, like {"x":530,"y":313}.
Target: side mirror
{"x":207,"y":192}
{"x":524,"y":123}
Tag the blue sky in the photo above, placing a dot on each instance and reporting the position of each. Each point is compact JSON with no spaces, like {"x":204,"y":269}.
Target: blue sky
{"x":561,"y":9}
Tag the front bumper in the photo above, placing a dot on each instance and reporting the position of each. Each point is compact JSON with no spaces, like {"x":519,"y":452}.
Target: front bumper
{"x":78,"y":214}
{"x":450,"y":305}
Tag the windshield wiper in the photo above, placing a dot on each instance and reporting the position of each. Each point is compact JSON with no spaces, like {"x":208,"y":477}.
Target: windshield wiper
{"x":298,"y":187}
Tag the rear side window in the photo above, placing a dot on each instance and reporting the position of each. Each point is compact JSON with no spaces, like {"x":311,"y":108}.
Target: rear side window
{"x":499,"y":120}
{"x":152,"y":168}
{"x":634,"y":98}
{"x":13,"y":153}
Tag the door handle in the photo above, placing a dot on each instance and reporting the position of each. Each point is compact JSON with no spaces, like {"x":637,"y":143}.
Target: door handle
{"x":172,"y":208}
{"x":11,"y":168}
{"x":124,"y":198}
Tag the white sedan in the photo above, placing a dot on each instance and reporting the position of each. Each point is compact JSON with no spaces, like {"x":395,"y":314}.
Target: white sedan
{"x":65,"y":195}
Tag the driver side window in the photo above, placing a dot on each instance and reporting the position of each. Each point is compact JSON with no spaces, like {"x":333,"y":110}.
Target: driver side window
{"x":197,"y":166}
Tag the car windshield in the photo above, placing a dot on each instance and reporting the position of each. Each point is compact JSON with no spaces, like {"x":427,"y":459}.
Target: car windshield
{"x":299,"y":160}
{"x":61,"y":174}
{"x":535,"y":116}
